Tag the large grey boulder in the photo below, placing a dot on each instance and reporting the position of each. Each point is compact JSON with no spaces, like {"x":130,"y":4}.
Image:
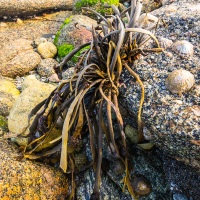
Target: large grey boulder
{"x":171,"y":120}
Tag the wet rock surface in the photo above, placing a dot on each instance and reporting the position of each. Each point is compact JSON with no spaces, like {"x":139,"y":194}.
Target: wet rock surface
{"x":30,"y":7}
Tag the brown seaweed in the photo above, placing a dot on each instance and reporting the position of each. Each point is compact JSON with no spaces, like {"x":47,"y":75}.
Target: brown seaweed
{"x":90,"y":98}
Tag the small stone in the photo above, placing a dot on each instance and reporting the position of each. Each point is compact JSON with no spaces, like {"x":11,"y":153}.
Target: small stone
{"x":54,"y":78}
{"x":132,"y":134}
{"x":39,"y":41}
{"x":183,"y":48}
{"x":178,"y":196}
{"x":46,"y":67}
{"x":141,"y":185}
{"x":3,"y":24}
{"x":180,"y":81}
{"x":47,"y":49}
{"x":19,"y":21}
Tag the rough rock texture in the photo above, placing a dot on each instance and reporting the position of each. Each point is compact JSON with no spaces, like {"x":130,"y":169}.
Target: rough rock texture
{"x":8,"y":95}
{"x":46,"y":67}
{"x":8,"y":86}
{"x":77,"y":31}
{"x":6,"y":103}
{"x":172,"y":120}
{"x":17,"y":58}
{"x":47,"y":49}
{"x":24,"y":179}
{"x":33,"y":93}
{"x":30,"y":7}
{"x":33,"y":28}
{"x":141,"y":163}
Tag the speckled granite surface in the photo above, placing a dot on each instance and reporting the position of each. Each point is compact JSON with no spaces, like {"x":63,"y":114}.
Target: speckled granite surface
{"x":173,"y":125}
{"x":28,"y":180}
{"x":12,"y":8}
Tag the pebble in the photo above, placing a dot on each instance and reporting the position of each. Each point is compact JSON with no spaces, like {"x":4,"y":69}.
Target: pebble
{"x":47,"y":49}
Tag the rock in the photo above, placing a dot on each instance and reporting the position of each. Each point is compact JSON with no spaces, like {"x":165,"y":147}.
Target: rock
{"x":17,"y":58}
{"x":8,"y":86}
{"x":29,"y":7}
{"x":131,"y":133}
{"x":46,"y":67}
{"x":6,"y":103}
{"x":33,"y":28}
{"x":170,"y":119}
{"x":8,"y":95}
{"x":75,"y":31}
{"x":178,"y":196}
{"x":67,"y":74}
{"x":151,"y":169}
{"x":150,"y":5}
{"x":33,"y":93}
{"x":27,"y":179}
{"x":38,"y":41}
{"x":47,"y":49}
{"x":19,"y":21}
{"x":54,"y":78}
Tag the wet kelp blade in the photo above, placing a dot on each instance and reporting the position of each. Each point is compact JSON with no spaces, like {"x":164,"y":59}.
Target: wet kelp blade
{"x":65,"y":132}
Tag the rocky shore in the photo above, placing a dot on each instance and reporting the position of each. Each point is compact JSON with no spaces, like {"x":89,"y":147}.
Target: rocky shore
{"x":30,"y":50}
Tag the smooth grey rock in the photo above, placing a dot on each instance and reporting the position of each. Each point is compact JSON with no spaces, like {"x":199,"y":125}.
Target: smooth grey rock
{"x":173,"y":126}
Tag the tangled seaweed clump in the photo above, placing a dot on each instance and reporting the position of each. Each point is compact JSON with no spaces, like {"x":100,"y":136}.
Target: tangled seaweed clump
{"x":88,"y":102}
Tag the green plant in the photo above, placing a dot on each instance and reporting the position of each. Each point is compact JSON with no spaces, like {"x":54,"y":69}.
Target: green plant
{"x":67,"y":21}
{"x":98,"y":5}
{"x":64,"y":49}
{"x":89,"y":99}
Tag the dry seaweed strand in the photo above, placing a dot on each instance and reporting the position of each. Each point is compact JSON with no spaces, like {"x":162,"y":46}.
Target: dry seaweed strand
{"x":90,"y":97}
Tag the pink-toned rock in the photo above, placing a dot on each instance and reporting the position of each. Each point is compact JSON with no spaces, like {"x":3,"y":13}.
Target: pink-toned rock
{"x":77,"y":31}
{"x":18,"y":58}
{"x":24,"y":179}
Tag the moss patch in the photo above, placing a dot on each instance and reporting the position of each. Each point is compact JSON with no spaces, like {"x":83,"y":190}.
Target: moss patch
{"x":98,"y":5}
{"x":65,"y":49}
{"x":3,"y":123}
{"x":67,"y":21}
